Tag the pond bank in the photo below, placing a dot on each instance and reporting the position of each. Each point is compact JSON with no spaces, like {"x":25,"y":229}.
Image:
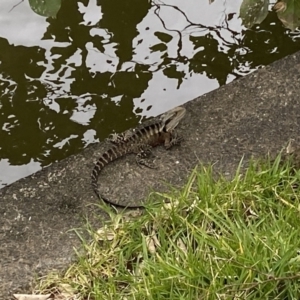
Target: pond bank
{"x":251,"y":116}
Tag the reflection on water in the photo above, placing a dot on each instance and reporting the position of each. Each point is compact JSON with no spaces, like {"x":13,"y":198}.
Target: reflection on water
{"x":101,"y":66}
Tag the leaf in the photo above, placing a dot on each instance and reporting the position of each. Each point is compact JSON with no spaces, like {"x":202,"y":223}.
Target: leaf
{"x":288,"y":12}
{"x":45,"y":8}
{"x":164,"y":37}
{"x":253,"y":12}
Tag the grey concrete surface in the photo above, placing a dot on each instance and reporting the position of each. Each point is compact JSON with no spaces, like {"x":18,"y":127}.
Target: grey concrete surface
{"x":251,"y":116}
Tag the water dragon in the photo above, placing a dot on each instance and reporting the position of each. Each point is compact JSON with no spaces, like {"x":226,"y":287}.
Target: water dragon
{"x":139,"y":142}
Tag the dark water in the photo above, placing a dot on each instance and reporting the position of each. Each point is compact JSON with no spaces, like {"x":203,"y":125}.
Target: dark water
{"x":96,"y":67}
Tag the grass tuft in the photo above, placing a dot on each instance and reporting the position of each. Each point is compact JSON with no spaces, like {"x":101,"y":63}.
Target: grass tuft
{"x":215,"y":239}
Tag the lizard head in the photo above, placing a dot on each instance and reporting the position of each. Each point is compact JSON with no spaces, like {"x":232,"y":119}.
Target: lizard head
{"x":171,"y":118}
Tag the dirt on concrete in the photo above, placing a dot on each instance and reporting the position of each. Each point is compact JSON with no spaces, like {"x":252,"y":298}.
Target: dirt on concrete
{"x":251,"y":116}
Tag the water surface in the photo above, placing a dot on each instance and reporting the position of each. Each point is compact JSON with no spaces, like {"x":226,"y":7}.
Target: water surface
{"x":97,"y":67}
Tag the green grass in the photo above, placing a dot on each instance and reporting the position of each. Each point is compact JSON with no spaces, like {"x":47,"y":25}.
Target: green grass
{"x":216,"y":239}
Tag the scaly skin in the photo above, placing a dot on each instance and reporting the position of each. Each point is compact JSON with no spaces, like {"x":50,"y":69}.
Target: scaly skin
{"x":140,"y":142}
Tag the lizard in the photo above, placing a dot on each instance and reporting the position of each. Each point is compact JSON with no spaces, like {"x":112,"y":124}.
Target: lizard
{"x":139,"y":142}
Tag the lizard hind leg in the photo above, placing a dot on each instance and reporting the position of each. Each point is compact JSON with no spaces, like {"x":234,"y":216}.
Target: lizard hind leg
{"x":143,"y":158}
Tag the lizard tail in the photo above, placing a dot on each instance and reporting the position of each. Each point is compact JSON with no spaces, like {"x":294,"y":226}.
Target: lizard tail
{"x":102,"y":161}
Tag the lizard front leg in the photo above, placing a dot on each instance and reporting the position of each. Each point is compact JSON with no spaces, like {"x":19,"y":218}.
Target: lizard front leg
{"x":172,"y":139}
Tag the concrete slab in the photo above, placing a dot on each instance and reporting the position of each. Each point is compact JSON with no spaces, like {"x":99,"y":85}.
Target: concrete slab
{"x":252,"y":116}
